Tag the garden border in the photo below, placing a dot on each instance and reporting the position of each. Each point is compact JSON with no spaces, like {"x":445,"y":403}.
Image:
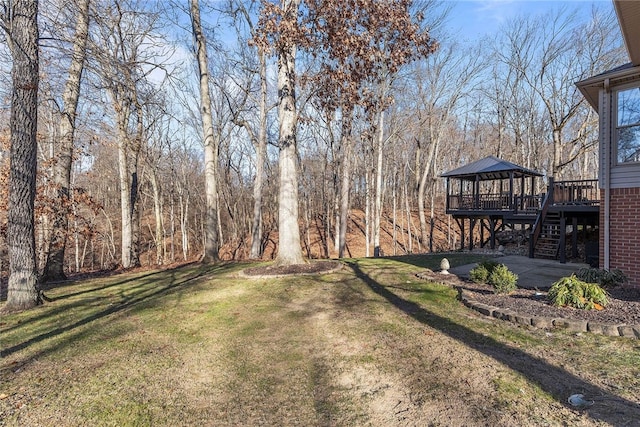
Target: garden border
{"x":543,"y":322}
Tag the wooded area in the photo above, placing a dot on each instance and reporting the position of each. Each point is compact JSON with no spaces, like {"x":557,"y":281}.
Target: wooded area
{"x":172,"y":131}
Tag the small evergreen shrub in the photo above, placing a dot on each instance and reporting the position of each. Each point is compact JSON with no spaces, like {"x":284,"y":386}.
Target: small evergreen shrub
{"x":496,"y":275}
{"x":605,"y":278}
{"x":573,"y":292}
{"x":480,"y":273}
{"x":502,"y":280}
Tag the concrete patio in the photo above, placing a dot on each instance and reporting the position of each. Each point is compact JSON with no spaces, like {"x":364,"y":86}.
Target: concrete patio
{"x":532,"y":272}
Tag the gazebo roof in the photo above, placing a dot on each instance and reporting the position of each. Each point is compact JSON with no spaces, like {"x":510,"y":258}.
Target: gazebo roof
{"x":490,"y":168}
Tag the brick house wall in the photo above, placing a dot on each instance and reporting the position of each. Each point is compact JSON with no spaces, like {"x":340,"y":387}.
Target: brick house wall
{"x":624,"y":232}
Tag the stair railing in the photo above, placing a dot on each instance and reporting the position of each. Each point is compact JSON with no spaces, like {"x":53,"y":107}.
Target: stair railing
{"x":537,"y":226}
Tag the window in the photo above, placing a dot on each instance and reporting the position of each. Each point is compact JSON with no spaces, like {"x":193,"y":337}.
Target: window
{"x":628,"y":125}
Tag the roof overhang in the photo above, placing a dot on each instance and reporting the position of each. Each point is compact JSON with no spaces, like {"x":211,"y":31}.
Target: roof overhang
{"x":628,"y":13}
{"x":629,"y":19}
{"x":591,"y":87}
{"x":489,"y":168}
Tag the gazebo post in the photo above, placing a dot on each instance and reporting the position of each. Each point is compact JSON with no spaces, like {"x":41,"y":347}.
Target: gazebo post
{"x":476,"y":192}
{"x":447,"y":200}
{"x":521,"y":207}
{"x":510,"y":190}
{"x":533,"y":188}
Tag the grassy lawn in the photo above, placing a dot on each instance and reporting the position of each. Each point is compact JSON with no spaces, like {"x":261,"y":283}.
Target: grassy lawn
{"x":368,"y":345}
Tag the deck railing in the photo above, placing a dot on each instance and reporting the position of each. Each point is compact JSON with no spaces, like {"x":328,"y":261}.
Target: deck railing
{"x":583,"y":192}
{"x":491,"y":201}
{"x":578,"y":192}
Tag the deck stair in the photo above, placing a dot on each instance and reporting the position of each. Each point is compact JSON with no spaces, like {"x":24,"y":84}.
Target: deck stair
{"x":548,"y":243}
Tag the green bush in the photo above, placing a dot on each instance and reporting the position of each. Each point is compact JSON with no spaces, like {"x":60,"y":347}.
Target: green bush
{"x":605,"y":278}
{"x":502,"y":280}
{"x":496,"y":275}
{"x":480,"y":273}
{"x":573,"y":292}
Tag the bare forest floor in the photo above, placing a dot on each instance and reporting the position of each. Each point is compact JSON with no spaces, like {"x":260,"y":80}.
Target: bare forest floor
{"x":398,"y":237}
{"x":368,"y":344}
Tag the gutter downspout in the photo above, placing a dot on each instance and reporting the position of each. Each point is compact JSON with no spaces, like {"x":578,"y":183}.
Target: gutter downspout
{"x":606,"y":99}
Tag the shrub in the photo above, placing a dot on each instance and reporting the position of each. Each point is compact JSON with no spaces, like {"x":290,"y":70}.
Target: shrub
{"x":502,"y":280}
{"x":605,"y":278}
{"x":573,"y":292}
{"x":480,"y":273}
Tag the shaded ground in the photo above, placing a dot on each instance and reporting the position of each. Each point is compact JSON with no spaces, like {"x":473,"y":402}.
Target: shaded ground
{"x":311,"y":267}
{"x":368,"y":345}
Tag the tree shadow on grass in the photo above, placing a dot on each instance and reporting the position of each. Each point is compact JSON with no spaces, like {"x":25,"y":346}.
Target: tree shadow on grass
{"x":550,"y":378}
{"x":47,"y":312}
{"x":134,"y":296}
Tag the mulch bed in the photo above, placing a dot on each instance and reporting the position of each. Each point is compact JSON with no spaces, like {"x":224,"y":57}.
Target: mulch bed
{"x":623,"y":307}
{"x":314,"y":267}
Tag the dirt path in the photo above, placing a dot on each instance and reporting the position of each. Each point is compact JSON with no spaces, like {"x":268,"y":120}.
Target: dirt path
{"x":400,"y":370}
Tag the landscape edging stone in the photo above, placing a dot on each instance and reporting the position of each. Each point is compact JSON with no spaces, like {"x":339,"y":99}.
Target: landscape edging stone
{"x":543,"y":322}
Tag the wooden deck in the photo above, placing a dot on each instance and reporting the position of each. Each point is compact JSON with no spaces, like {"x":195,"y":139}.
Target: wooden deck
{"x":542,"y":218}
{"x":566,"y":196}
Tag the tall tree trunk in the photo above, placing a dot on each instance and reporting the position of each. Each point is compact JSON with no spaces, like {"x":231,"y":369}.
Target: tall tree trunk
{"x":23,"y":42}
{"x":395,"y":208}
{"x":427,"y":173}
{"x":135,"y":181}
{"x":345,"y":183}
{"x":408,"y":213}
{"x":289,"y":249}
{"x":378,"y":200}
{"x":261,"y":154}
{"x":53,"y":269}
{"x":557,"y":153}
{"x":157,"y":211}
{"x":125,"y":187}
{"x":211,"y":143}
{"x":367,"y":209}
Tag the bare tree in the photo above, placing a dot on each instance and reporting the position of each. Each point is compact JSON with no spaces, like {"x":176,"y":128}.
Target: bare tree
{"x":441,"y":82}
{"x":550,"y":53}
{"x":127,"y":50}
{"x":357,"y":69}
{"x":243,"y":107}
{"x":280,"y":23}
{"x":20,"y":22}
{"x":211,"y":141}
{"x":62,"y":168}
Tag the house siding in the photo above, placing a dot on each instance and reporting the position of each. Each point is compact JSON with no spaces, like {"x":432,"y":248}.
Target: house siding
{"x":625,"y":176}
{"x":624,"y":233}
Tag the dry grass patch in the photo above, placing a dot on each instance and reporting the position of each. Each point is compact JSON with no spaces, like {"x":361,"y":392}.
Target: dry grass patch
{"x":366,"y":345}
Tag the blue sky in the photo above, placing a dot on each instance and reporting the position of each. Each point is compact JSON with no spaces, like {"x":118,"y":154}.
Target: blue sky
{"x":476,"y":18}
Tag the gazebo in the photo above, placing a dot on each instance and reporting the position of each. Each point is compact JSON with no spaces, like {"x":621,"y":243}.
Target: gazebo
{"x":494,"y":192}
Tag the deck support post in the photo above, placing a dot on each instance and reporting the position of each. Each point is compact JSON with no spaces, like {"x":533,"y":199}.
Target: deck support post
{"x":472,"y":224}
{"x":574,"y":237}
{"x":563,"y":240}
{"x":460,"y":222}
{"x":492,"y":230}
